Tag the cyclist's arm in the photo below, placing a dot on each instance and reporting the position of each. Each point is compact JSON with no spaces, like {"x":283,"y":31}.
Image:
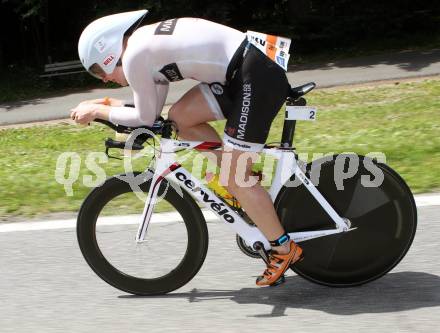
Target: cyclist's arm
{"x":162,"y":92}
{"x":144,"y":112}
{"x":105,"y":101}
{"x":148,"y":97}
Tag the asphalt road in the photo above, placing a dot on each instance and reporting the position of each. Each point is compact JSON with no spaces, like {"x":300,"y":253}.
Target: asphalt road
{"x":405,"y":64}
{"x":46,"y":286}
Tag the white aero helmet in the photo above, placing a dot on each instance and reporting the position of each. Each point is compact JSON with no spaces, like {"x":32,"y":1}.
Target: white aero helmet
{"x":100,"y":44}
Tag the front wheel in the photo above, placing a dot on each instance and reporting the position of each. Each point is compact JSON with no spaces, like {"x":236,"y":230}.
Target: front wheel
{"x":174,"y":248}
{"x":384,"y":215}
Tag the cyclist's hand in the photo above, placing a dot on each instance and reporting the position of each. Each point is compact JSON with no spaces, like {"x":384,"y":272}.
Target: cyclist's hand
{"x":84,"y":113}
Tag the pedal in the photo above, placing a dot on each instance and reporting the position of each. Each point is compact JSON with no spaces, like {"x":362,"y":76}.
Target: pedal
{"x":259,"y":247}
{"x":281,"y":280}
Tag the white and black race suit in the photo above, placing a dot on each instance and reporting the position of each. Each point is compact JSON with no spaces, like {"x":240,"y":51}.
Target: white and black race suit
{"x":242,"y":75}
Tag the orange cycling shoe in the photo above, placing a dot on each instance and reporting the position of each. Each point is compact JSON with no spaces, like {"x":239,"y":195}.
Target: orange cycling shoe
{"x":279,"y":263}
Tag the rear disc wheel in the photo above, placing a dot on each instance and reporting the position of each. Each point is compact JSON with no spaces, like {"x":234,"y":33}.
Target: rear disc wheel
{"x":384,"y":216}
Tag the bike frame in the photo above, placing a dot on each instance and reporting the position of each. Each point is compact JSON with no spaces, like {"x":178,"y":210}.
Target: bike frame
{"x":167,"y":168}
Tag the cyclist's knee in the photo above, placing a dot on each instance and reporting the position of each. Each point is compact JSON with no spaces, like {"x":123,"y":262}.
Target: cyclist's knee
{"x":180,"y":113}
{"x":173,"y":114}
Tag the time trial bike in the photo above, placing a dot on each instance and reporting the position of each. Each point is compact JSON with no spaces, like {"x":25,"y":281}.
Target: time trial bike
{"x":354,"y":217}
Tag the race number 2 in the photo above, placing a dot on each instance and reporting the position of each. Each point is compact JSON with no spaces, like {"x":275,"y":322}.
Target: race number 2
{"x":301,"y":113}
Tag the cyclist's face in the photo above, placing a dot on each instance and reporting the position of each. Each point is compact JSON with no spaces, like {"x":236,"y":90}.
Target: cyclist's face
{"x":117,"y":76}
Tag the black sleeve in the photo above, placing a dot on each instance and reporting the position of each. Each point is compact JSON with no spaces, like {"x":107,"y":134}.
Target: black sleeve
{"x":130,"y":104}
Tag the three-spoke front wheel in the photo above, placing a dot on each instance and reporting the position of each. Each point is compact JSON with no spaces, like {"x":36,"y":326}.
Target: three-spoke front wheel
{"x":174,"y":248}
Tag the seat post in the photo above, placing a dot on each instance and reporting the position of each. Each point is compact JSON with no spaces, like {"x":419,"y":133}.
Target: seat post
{"x":289,"y":125}
{"x":288,"y":133}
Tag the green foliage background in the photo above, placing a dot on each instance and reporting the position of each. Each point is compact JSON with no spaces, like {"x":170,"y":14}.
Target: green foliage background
{"x":34,"y":32}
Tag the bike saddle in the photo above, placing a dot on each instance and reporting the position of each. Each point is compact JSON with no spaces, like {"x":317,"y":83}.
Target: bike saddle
{"x":297,"y":92}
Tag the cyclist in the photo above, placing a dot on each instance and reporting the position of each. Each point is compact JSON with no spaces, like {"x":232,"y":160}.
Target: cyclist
{"x":242,"y":79}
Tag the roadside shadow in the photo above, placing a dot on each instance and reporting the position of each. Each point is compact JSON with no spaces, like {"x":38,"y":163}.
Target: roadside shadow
{"x":410,"y":61}
{"x":10,"y":106}
{"x":392,"y":293}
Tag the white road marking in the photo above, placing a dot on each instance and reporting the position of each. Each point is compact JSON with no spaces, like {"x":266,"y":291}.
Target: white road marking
{"x":421,"y":201}
{"x":108,"y":220}
{"x":427,"y":200}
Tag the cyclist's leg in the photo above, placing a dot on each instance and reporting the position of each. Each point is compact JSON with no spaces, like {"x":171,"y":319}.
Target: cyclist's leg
{"x":252,"y":196}
{"x":258,"y":205}
{"x":191,"y":113}
{"x":260,"y":88}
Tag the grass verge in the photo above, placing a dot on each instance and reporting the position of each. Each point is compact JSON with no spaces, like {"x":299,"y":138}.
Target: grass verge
{"x":400,"y":120}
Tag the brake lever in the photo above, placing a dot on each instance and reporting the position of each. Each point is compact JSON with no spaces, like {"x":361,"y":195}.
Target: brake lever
{"x":110,"y":156}
{"x":110,"y":143}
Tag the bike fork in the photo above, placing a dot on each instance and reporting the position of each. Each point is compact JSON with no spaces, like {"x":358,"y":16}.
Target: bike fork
{"x":163,"y":168}
{"x":148,"y":208}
